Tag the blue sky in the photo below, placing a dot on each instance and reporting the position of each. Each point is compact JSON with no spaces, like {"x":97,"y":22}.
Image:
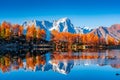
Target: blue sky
{"x":92,"y":13}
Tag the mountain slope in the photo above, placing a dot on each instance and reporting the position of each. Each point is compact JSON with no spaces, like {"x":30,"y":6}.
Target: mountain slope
{"x":112,"y":31}
{"x":42,"y":24}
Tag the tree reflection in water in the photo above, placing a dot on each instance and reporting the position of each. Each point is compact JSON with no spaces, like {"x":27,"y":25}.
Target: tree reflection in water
{"x":61,"y":62}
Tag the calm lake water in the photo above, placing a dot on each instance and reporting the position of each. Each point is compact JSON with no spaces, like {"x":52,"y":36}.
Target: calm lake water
{"x":86,"y":65}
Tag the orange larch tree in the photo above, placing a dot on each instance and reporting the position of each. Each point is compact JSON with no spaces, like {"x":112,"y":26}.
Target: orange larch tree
{"x":5,"y":30}
{"x":31,"y":32}
{"x":38,"y":33}
{"x":110,"y":40}
{"x":15,"y":29}
{"x":43,"y":34}
{"x":20,"y":31}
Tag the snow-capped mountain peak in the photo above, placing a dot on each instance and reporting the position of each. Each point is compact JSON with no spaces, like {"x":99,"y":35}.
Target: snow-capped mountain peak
{"x":62,"y":20}
{"x":42,"y":24}
{"x":63,"y":25}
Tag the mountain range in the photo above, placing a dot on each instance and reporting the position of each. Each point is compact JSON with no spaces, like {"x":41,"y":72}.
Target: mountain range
{"x":61,"y":25}
{"x":65,"y":25}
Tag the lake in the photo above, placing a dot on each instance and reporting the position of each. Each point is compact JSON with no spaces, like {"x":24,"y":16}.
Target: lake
{"x":82,"y":65}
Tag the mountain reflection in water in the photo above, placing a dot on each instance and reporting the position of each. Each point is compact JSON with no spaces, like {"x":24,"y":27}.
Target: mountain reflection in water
{"x":61,"y":62}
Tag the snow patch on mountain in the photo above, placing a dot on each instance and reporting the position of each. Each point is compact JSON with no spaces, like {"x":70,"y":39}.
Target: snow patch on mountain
{"x":83,"y":30}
